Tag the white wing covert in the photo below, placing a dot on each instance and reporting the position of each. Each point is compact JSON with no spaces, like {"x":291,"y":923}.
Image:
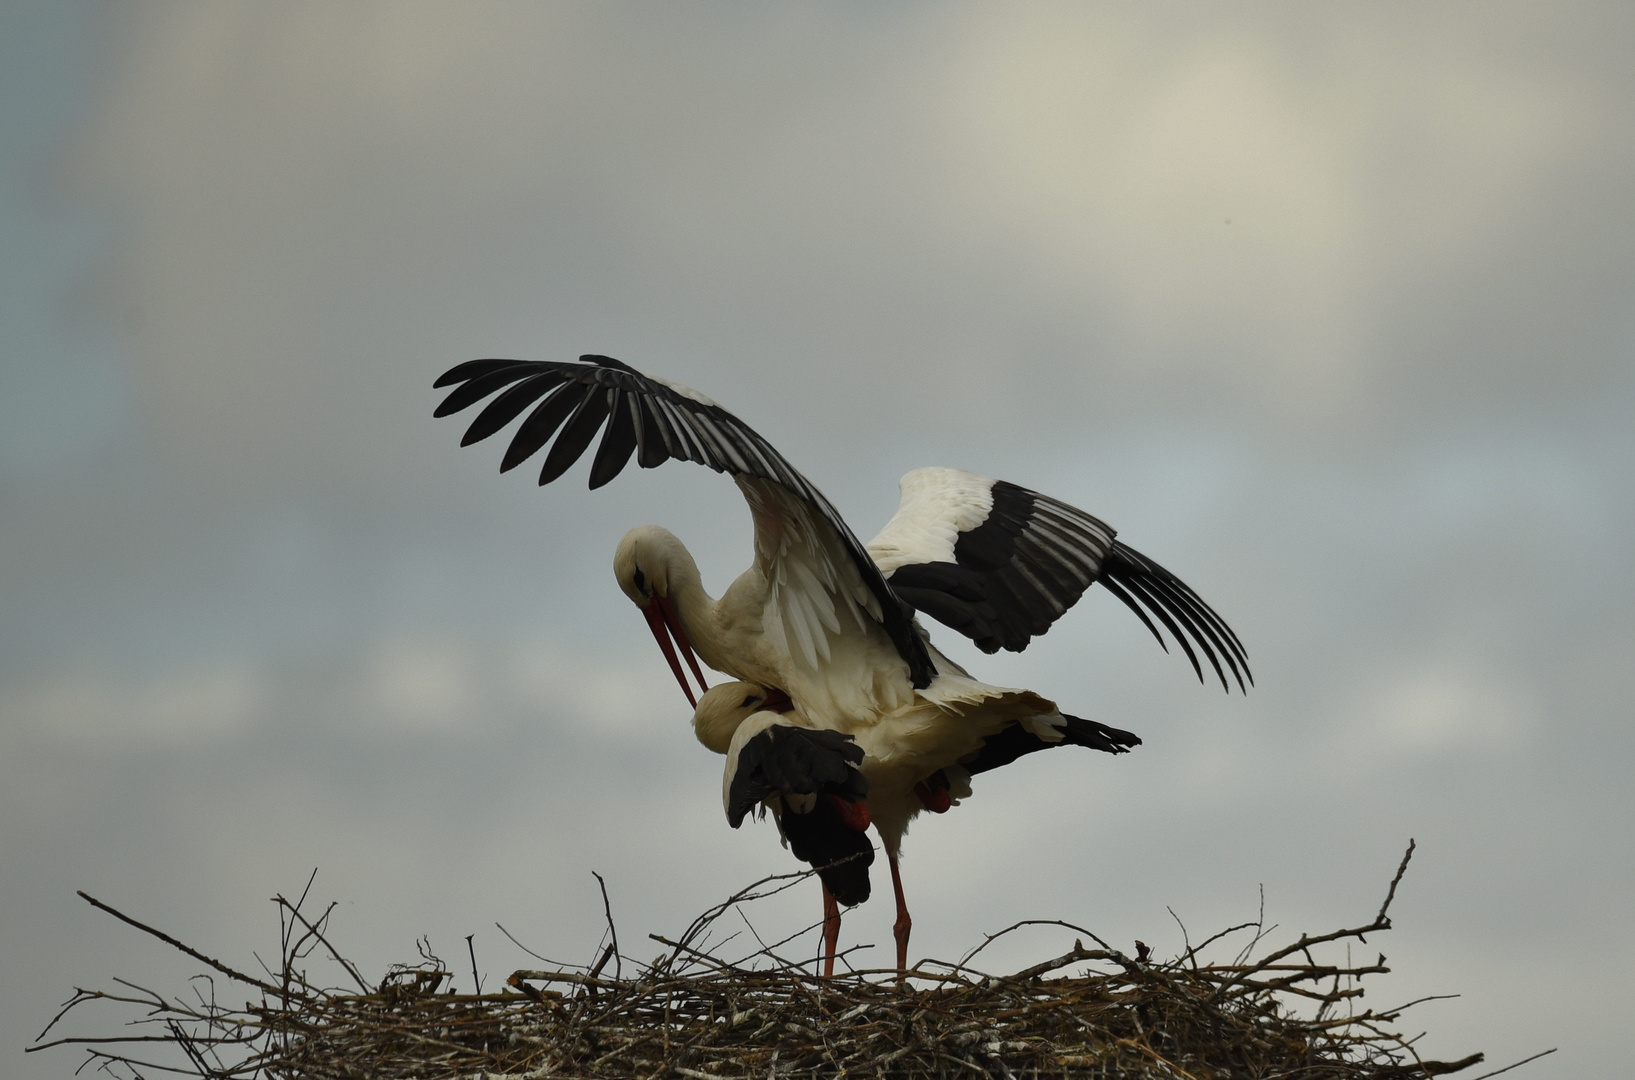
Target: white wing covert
{"x":814,"y":592}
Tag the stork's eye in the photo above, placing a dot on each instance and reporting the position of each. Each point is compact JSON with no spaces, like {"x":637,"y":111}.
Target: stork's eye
{"x":641,"y":580}
{"x":747,"y":702}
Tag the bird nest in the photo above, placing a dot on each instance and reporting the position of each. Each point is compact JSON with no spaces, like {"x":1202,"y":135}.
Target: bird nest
{"x":1094,"y":1011}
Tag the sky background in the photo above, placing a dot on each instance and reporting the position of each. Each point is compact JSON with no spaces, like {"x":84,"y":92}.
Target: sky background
{"x":1329,"y":309}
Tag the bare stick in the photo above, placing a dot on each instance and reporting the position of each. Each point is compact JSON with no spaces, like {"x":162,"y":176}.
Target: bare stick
{"x":989,"y":939}
{"x":310,"y":879}
{"x":1381,"y":922}
{"x":524,"y":948}
{"x":1079,"y":952}
{"x":557,"y":976}
{"x":168,"y":940}
{"x":1192,"y":951}
{"x":314,"y":931}
{"x":1186,"y":939}
{"x":613,"y":932}
{"x":1390,"y":894}
{"x":1517,"y":1065}
{"x":607,"y":954}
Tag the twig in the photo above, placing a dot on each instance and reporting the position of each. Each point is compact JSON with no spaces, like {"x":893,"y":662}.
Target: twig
{"x":1186,"y":940}
{"x":524,"y":948}
{"x":989,"y":939}
{"x":168,"y":940}
{"x":314,"y":932}
{"x":560,"y":976}
{"x":613,"y":932}
{"x":1391,"y":893}
{"x":607,"y":954}
{"x":476,"y":980}
{"x":1078,"y":952}
{"x":1519,"y":1064}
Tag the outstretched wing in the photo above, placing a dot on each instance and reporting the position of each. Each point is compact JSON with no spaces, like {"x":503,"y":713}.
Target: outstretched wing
{"x":1000,"y":564}
{"x":655,"y":421}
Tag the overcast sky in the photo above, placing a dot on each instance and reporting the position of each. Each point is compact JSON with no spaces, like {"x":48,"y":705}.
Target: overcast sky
{"x":1330,"y":309}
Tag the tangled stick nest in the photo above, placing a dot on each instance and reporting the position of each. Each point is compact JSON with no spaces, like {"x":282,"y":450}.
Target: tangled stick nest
{"x":692,"y":1013}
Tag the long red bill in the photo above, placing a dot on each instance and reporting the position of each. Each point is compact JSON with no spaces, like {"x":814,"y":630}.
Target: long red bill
{"x":673,"y":618}
{"x":663,"y":621}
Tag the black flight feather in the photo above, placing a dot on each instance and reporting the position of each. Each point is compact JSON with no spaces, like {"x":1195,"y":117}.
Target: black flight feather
{"x":509,"y":405}
{"x":576,"y":434}
{"x":471,"y":369}
{"x":618,"y":442}
{"x":536,"y":430}
{"x":788,"y":760}
{"x":474,"y":391}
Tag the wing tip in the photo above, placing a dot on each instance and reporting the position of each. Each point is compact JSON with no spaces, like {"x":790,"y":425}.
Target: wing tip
{"x":467,"y":370}
{"x":608,"y":362}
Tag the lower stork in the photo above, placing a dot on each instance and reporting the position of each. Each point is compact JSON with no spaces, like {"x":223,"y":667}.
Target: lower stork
{"x":823,"y":787}
{"x":818,"y":615}
{"x":807,"y":777}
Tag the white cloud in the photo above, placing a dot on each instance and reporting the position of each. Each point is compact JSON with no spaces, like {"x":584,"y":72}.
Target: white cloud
{"x":420,"y":685}
{"x":95,"y":705}
{"x":1438,"y":707}
{"x":619,"y":697}
{"x":438,"y":685}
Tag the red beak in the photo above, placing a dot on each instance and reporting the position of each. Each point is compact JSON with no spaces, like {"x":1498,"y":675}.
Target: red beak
{"x":663,"y":620}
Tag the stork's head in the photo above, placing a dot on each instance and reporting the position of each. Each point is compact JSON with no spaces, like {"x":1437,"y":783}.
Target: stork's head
{"x":723,"y":708}
{"x":645,"y":563}
{"x":642,"y":562}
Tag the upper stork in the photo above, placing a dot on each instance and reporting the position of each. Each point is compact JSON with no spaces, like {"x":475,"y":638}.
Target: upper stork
{"x":824,"y":619}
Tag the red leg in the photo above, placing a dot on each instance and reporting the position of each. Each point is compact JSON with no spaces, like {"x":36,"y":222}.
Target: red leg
{"x":903,"y":924}
{"x":831,"y":931}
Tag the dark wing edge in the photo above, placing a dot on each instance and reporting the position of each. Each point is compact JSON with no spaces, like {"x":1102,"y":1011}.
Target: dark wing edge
{"x":654,"y":422}
{"x":1149,"y":590}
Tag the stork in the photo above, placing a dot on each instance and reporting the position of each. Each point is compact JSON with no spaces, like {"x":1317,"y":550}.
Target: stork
{"x":807,"y":777}
{"x":818,"y":616}
{"x":823,"y":787}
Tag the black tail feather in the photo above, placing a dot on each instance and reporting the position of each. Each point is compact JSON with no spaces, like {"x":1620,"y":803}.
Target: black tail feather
{"x":1017,"y":740}
{"x":840,"y":853}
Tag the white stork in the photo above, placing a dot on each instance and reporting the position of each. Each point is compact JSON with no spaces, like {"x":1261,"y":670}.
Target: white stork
{"x":822,"y":618}
{"x":807,"y":777}
{"x":825,"y":786}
